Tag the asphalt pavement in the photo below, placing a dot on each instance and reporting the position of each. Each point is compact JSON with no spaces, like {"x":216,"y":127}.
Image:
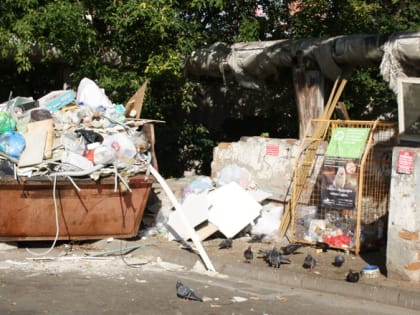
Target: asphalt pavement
{"x":325,"y":278}
{"x":93,"y":278}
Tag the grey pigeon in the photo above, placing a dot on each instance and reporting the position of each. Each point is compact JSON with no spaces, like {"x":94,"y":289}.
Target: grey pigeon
{"x":309,"y":262}
{"x":323,"y":246}
{"x":248,"y":254}
{"x":352,"y":276}
{"x":264,"y":253}
{"x":291,"y":248}
{"x":184,"y":292}
{"x":275,"y":259}
{"x":226,"y":243}
{"x":338,"y":260}
{"x":256,"y":238}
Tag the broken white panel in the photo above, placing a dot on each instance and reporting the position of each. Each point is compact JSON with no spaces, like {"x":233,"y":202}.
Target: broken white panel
{"x":178,"y":207}
{"x":232,"y":209}
{"x":259,"y":195}
{"x":196,"y":209}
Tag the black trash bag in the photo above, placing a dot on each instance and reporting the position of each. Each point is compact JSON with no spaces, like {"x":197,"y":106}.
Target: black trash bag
{"x":89,"y":135}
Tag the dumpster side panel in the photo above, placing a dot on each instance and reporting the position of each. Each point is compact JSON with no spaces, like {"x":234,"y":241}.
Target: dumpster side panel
{"x":28,"y":210}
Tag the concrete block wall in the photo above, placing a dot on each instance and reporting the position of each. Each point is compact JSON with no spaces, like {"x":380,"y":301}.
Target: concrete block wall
{"x":403,"y":247}
{"x":270,"y":161}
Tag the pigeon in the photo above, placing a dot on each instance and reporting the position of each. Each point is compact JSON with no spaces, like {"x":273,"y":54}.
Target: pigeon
{"x":352,"y":276}
{"x":184,"y":292}
{"x":264,"y":253}
{"x":291,"y":249}
{"x":275,"y":259}
{"x":248,"y":254}
{"x":226,"y":243}
{"x":323,"y":246}
{"x":256,"y":238}
{"x":309,"y":262}
{"x":338,"y":260}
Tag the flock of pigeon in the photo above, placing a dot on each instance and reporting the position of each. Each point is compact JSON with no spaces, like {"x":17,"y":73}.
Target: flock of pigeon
{"x":274,"y":258}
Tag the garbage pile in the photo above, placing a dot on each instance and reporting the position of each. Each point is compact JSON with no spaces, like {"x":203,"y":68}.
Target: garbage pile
{"x":71,"y":133}
{"x":229,"y":203}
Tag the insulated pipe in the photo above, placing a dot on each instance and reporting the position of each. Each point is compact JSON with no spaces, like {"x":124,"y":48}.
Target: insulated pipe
{"x":251,"y":63}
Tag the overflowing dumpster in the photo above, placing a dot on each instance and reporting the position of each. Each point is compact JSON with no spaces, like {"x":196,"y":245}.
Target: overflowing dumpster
{"x":73,"y":167}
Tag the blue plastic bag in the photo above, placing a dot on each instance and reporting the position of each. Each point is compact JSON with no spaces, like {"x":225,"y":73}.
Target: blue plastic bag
{"x":12,"y":143}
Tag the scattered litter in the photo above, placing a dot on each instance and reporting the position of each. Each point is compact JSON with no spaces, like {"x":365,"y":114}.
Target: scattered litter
{"x":16,"y":263}
{"x":42,"y":258}
{"x":120,"y":251}
{"x":97,"y":258}
{"x":136,"y":261}
{"x":238,"y":299}
{"x":141,"y":281}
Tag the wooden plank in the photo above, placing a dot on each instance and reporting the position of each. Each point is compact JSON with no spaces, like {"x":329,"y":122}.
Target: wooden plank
{"x":206,"y":231}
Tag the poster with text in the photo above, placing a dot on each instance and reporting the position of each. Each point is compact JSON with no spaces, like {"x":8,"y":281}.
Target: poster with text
{"x":339,"y":172}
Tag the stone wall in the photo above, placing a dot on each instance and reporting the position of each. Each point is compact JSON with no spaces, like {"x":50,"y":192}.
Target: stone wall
{"x":403,"y":248}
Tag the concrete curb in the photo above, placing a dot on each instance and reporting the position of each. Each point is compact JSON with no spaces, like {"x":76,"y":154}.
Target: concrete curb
{"x":381,"y":294}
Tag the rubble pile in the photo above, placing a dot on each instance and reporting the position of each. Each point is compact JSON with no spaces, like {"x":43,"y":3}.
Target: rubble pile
{"x":72,"y":133}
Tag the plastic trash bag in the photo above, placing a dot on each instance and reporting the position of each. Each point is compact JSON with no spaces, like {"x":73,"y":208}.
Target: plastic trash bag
{"x":233,"y":173}
{"x":72,"y":143}
{"x":7,"y":123}
{"x":103,"y":155}
{"x":89,"y":94}
{"x":198,"y":185}
{"x":268,"y":223}
{"x":122,"y":145}
{"x":12,"y":143}
{"x":90,"y":136}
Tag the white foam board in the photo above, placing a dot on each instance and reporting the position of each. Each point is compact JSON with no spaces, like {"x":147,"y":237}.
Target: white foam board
{"x":196,"y":208}
{"x":232,"y":209}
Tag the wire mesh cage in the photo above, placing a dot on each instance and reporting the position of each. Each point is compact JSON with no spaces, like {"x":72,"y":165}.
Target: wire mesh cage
{"x":339,"y":199}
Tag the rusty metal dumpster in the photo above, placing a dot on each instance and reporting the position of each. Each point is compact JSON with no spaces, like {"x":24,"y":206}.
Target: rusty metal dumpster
{"x":28,"y":209}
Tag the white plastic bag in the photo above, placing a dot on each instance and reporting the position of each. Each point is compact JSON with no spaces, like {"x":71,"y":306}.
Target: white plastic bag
{"x":89,"y":94}
{"x":122,"y":145}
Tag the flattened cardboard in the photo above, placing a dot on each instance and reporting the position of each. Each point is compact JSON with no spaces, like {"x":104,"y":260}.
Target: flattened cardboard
{"x":44,"y":125}
{"x":33,"y":154}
